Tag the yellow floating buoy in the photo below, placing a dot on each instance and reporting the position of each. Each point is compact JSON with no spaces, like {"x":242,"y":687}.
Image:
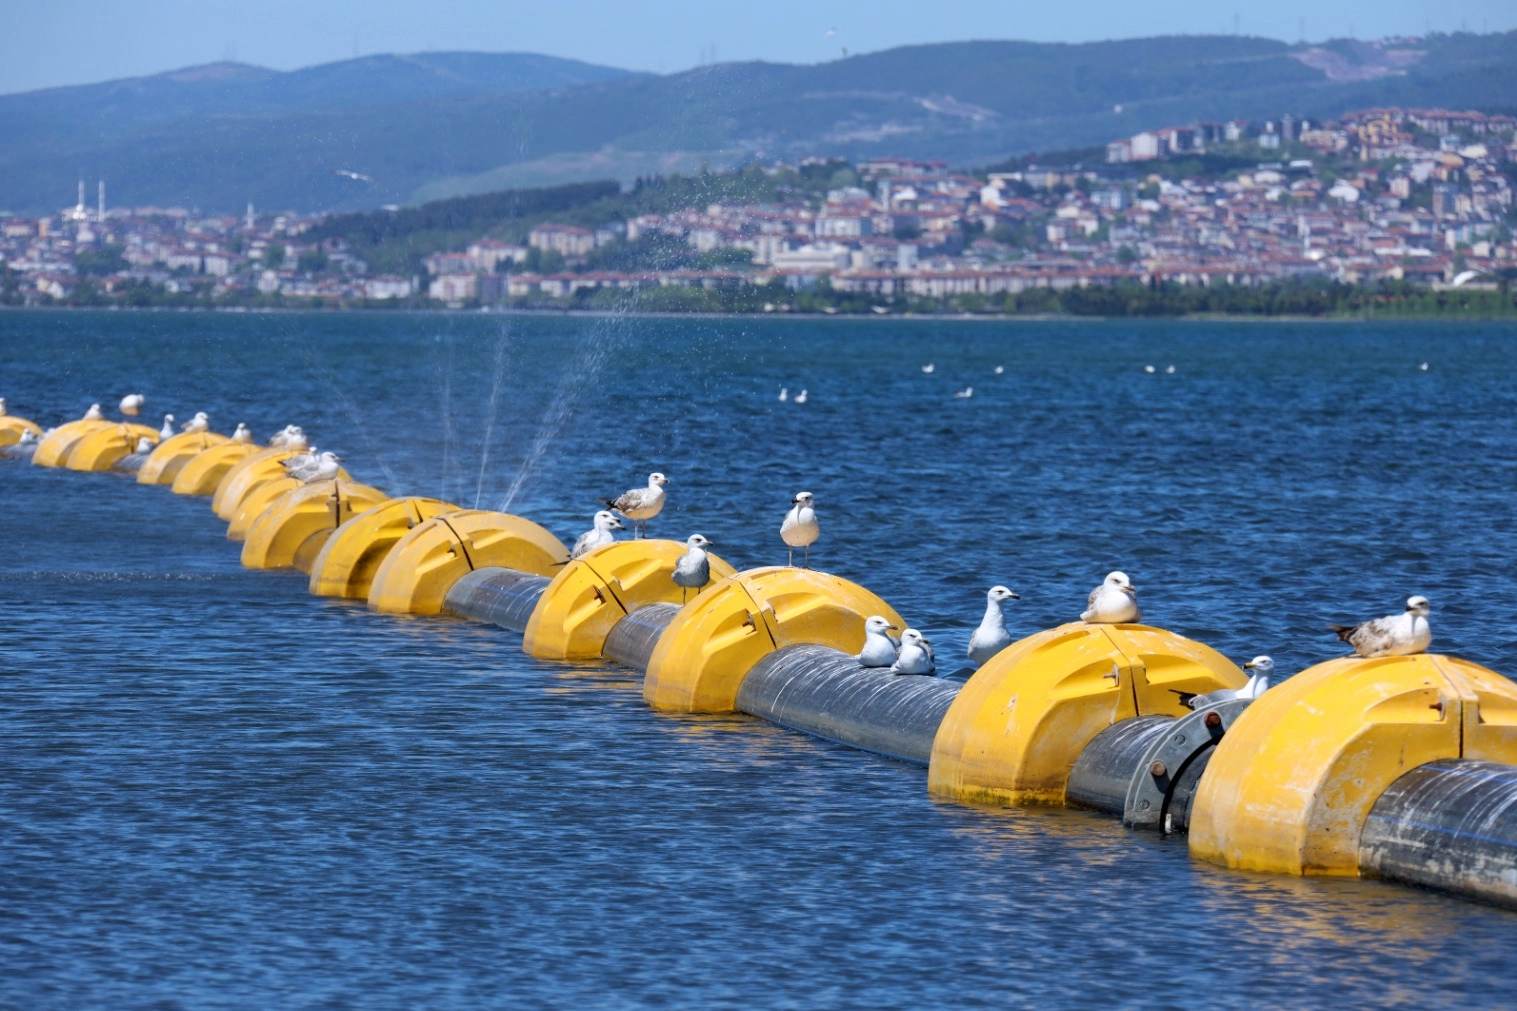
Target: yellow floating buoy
{"x":415,"y":576}
{"x":202,"y":474}
{"x":11,"y":428}
{"x":290,"y":532}
{"x":352,"y":555}
{"x":100,"y":449}
{"x":165,"y":462}
{"x":53,"y":449}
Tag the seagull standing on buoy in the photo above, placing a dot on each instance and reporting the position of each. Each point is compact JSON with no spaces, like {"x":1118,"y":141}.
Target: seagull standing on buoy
{"x":1394,"y":635}
{"x":880,"y":647}
{"x":201,"y":422}
{"x":915,"y":656}
{"x":599,"y":535}
{"x":1258,"y":684}
{"x":328,"y":466}
{"x":641,"y":504}
{"x":167,"y":431}
{"x":131,"y":404}
{"x":3,"y":410}
{"x":94,"y":413}
{"x":301,"y":465}
{"x":1114,"y":602}
{"x":800,"y":529}
{"x":991,"y":637}
{"x":243,"y":435}
{"x":693,"y":570}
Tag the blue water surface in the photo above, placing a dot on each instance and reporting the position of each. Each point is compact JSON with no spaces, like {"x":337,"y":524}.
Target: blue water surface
{"x":217,"y":791}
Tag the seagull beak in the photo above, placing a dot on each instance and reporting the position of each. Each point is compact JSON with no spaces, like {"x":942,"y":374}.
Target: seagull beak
{"x":894,"y":628}
{"x":1249,"y":665}
{"x":1016,"y":596}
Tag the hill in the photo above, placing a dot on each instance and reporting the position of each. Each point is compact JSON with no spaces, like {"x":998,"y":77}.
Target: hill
{"x":435,"y":126}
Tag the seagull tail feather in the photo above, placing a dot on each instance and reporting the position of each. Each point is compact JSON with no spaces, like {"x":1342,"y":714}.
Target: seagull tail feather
{"x":1185,"y":697}
{"x":1343,"y":631}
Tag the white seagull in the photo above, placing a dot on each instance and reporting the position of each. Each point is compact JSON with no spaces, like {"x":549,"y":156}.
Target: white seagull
{"x":800,"y":529}
{"x":964,"y":394}
{"x":598,"y":535}
{"x":784,"y":394}
{"x":242,"y":435}
{"x":1149,"y":369}
{"x":800,"y":398}
{"x":693,"y":570}
{"x":131,"y":404}
{"x":1394,"y":635}
{"x":327,"y":468}
{"x":929,"y":369}
{"x":1169,"y":370}
{"x":915,"y":656}
{"x":880,"y":647}
{"x":1000,"y":369}
{"x":991,"y":637}
{"x":94,"y":413}
{"x":1114,"y":602}
{"x":144,"y":446}
{"x":201,"y":422}
{"x":3,"y":410}
{"x":1258,"y":684}
{"x":289,"y":437}
{"x":641,"y":504}
{"x":167,"y":431}
{"x":28,"y":438}
{"x":301,"y":464}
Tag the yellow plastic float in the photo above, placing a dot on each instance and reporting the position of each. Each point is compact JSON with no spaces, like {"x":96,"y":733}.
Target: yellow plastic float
{"x":598,"y":589}
{"x":251,"y":472}
{"x":415,"y":576}
{"x":352,"y":555}
{"x":1292,"y":783}
{"x":54,"y":448}
{"x":101,"y":449}
{"x":291,"y":531}
{"x":202,"y":474}
{"x":1015,"y":730}
{"x":11,"y":428}
{"x":704,"y":654}
{"x":173,"y":453}
{"x":256,"y":502}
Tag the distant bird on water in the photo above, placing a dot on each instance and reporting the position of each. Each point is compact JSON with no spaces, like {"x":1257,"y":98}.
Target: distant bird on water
{"x":243,"y":434}
{"x":1000,"y":369}
{"x":693,"y":570}
{"x":1394,"y":635}
{"x":800,"y":398}
{"x":1149,"y":369}
{"x":1258,"y":684}
{"x":1423,"y":367}
{"x":915,"y":656}
{"x":880,"y":647}
{"x":599,"y":535}
{"x":800,"y":529}
{"x":94,"y":413}
{"x":201,"y":422}
{"x":784,"y":394}
{"x":964,"y":394}
{"x":1114,"y":602}
{"x":991,"y":637}
{"x":929,"y":368}
{"x":131,"y":404}
{"x":167,"y":431}
{"x":641,"y":504}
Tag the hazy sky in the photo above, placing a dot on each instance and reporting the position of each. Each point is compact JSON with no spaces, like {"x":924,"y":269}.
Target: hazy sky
{"x":79,"y":41}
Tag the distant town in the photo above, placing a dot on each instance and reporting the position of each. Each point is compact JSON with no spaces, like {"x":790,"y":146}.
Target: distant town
{"x":1395,"y":204}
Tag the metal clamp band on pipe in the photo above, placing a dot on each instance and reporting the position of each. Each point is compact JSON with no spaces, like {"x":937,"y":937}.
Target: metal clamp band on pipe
{"x":824,"y":692}
{"x":631,"y":641}
{"x":1100,"y":777}
{"x":505,"y":597}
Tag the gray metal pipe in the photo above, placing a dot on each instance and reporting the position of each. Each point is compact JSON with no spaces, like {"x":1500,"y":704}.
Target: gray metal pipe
{"x":824,"y":692}
{"x":131,"y":463}
{"x":1450,"y":825}
{"x":1101,"y":776}
{"x":504,"y":597}
{"x":632,"y":640}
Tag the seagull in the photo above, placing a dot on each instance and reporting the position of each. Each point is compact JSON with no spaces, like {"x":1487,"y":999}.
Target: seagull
{"x":1169,"y":370}
{"x":599,"y":535}
{"x":641,"y":504}
{"x":991,"y":637}
{"x":1258,"y":684}
{"x":242,"y":435}
{"x":1422,"y":367}
{"x":916,"y":655}
{"x":289,"y":437}
{"x":800,"y":529}
{"x":3,"y":410}
{"x":963,"y":394}
{"x":1114,"y":602}
{"x":784,"y":394}
{"x":131,"y":404}
{"x":929,"y":368}
{"x":1394,"y":635}
{"x":144,"y":446}
{"x":301,"y":464}
{"x":693,"y":570}
{"x":167,"y":431}
{"x":800,"y":398}
{"x":880,"y":647}
{"x":28,"y":438}
{"x":357,"y":177}
{"x":1000,"y":369}
{"x":1149,"y":369}
{"x":201,"y":422}
{"x":94,"y":413}
{"x":326,"y":469}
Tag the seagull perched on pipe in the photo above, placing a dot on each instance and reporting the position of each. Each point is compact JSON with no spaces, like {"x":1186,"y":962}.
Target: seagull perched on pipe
{"x":800,"y":529}
{"x":131,"y":404}
{"x":94,"y":413}
{"x":991,"y":637}
{"x":1258,"y":684}
{"x":598,"y":535}
{"x":167,"y":431}
{"x":1394,"y":635}
{"x":641,"y":504}
{"x":201,"y":422}
{"x":144,"y":446}
{"x":1114,"y":602}
{"x":915,"y":656}
{"x":880,"y":647}
{"x":693,"y":570}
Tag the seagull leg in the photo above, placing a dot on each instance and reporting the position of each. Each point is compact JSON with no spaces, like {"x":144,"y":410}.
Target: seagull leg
{"x":790,"y":558}
{"x":807,"y":563}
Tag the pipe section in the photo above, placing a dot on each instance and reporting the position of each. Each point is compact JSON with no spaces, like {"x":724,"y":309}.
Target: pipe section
{"x":504,"y":597}
{"x":1450,"y":825}
{"x":632,"y":640}
{"x":1100,"y":777}
{"x":824,"y":692}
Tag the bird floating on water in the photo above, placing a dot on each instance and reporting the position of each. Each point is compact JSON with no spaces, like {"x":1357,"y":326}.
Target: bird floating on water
{"x":963,"y":394}
{"x":599,"y":535}
{"x":1169,"y":370}
{"x":800,"y":529}
{"x":693,"y":569}
{"x":167,"y":431}
{"x":94,"y":413}
{"x":1422,"y":367}
{"x":1000,"y":369}
{"x":1149,"y":369}
{"x":641,"y":504}
{"x":1394,"y":635}
{"x":915,"y":656}
{"x":991,"y":637}
{"x":800,"y":398}
{"x":243,"y":434}
{"x":201,"y":422}
{"x":784,"y":394}
{"x":131,"y":404}
{"x":1114,"y":602}
{"x":1258,"y":684}
{"x":929,"y":368}
{"x":880,"y":647}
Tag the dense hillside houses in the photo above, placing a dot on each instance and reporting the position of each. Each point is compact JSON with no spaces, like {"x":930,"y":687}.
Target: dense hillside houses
{"x":1405,"y":195}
